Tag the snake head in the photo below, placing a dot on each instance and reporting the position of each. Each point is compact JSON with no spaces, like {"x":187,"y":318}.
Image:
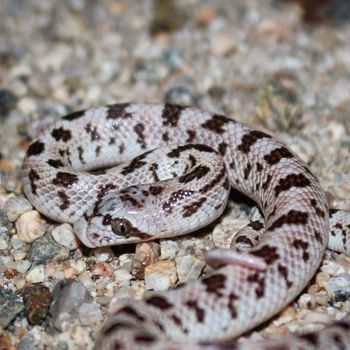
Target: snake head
{"x":119,"y":218}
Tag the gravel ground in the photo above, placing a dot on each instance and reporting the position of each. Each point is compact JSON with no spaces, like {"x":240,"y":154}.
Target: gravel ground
{"x":266,"y":63}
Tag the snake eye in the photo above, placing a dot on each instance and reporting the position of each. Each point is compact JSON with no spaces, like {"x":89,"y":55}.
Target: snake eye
{"x":121,"y":227}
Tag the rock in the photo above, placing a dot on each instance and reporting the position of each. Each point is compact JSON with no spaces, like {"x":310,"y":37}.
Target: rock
{"x":89,"y":314}
{"x":339,"y":287}
{"x":23,"y":266}
{"x":8,"y":101}
{"x":179,"y":95}
{"x":64,"y":236}
{"x":5,"y":341}
{"x":103,"y":254}
{"x":36,"y":274}
{"x":68,"y":296}
{"x":37,"y":299}
{"x":10,"y":305}
{"x":5,"y":225}
{"x":168,"y":249}
{"x":146,"y":254}
{"x":161,"y":275}
{"x":122,"y":277}
{"x":29,"y":226}
{"x":189,"y":267}
{"x":44,"y":249}
{"x":102,"y":269}
{"x":3,"y":244}
{"x":15,"y":206}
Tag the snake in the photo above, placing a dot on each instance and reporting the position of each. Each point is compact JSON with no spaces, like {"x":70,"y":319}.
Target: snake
{"x":133,"y":172}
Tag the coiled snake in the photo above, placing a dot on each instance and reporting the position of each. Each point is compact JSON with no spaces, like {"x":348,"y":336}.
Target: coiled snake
{"x":175,"y":189}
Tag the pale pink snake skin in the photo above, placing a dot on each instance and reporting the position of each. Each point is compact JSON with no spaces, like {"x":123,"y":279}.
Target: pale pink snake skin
{"x":248,"y":287}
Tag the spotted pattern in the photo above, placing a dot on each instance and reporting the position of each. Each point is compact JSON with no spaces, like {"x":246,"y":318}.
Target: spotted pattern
{"x":249,"y":286}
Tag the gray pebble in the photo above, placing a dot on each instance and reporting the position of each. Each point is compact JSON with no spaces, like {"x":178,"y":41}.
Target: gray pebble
{"x":15,"y":206}
{"x":8,"y":101}
{"x":68,"y":296}
{"x":44,"y":249}
{"x":10,"y":305}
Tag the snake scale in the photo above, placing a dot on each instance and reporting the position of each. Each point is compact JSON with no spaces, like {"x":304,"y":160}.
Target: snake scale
{"x":176,"y":166}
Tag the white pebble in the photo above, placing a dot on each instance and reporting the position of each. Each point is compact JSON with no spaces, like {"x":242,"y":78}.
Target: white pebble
{"x":168,"y":249}
{"x":64,"y":235}
{"x":160,"y":276}
{"x":29,"y":226}
{"x":3,"y":244}
{"x":103,"y":254}
{"x":23,"y":266}
{"x":36,"y":274}
{"x":89,"y":314}
{"x":189,"y":267}
{"x":15,"y":206}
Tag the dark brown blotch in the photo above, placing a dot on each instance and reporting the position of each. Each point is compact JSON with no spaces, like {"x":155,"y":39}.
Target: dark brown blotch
{"x":61,"y":134}
{"x":249,"y":140}
{"x":277,"y":154}
{"x":214,"y":181}
{"x":197,"y":173}
{"x":303,"y":246}
{"x":116,"y":111}
{"x":291,"y":180}
{"x":56,"y":163}
{"x":214,"y":283}
{"x":318,"y":211}
{"x":36,"y":148}
{"x":175,"y":153}
{"x":139,"y":130}
{"x":33,"y":177}
{"x":159,"y":302}
{"x":192,"y":304}
{"x":222,"y":148}
{"x":171,"y":114}
{"x":256,"y":225}
{"x":293,"y":217}
{"x":247,"y":171}
{"x":65,"y":202}
{"x":81,"y":154}
{"x":129,"y":310}
{"x":104,"y":189}
{"x":65,"y":179}
{"x":92,"y":131}
{"x":260,"y":284}
{"x":137,"y":163}
{"x":155,"y":190}
{"x":74,"y":115}
{"x":283,"y":271}
{"x":189,"y":210}
{"x":144,"y":338}
{"x":115,"y":326}
{"x":267,"y":253}
{"x":191,"y":135}
{"x":216,"y":123}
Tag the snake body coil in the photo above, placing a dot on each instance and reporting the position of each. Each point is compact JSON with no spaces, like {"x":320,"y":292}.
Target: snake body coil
{"x":191,"y":187}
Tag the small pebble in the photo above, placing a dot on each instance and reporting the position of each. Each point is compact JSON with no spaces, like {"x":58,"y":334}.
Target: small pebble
{"x":68,"y":295}
{"x":103,"y":254}
{"x":145,"y":254}
{"x":168,"y":249}
{"x":44,"y":249}
{"x":161,"y":275}
{"x":11,"y":304}
{"x":189,"y":267}
{"x":36,"y":274}
{"x":8,"y":101}
{"x":102,"y":269}
{"x":339,"y":287}
{"x":89,"y":314}
{"x":64,"y":235}
{"x":37,"y":299}
{"x":15,"y":206}
{"x":307,"y":301}
{"x":29,"y":226}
